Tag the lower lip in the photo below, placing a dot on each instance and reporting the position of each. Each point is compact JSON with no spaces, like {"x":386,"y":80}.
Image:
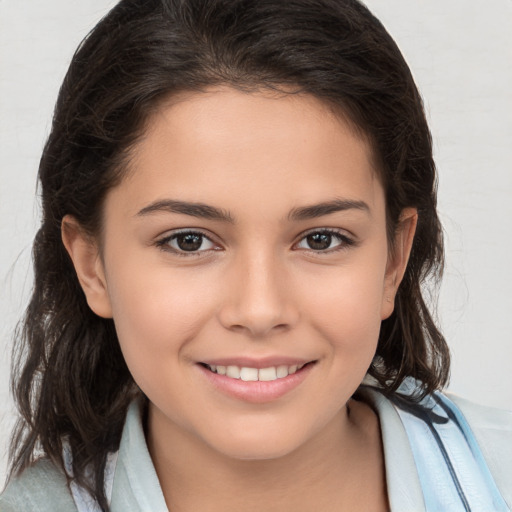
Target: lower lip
{"x":257,"y":391}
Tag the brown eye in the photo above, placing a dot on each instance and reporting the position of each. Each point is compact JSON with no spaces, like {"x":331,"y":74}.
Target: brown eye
{"x":324,"y":240}
{"x":319,"y":241}
{"x":187,"y":242}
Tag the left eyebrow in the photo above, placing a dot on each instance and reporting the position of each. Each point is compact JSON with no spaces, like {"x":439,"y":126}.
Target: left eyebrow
{"x":321,"y":209}
{"x":200,"y":210}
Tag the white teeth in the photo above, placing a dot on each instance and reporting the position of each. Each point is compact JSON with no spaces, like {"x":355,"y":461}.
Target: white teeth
{"x":282,"y":371}
{"x":249,"y":374}
{"x":267,"y":374}
{"x":233,"y":372}
{"x":253,"y":374}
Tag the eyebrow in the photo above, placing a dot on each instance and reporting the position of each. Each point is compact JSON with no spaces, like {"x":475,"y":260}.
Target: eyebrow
{"x":204,"y":211}
{"x":321,"y":209}
{"x":200,"y":210}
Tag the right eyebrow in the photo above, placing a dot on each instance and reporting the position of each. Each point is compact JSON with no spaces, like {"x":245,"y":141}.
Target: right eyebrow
{"x":200,"y":210}
{"x":327,"y":208}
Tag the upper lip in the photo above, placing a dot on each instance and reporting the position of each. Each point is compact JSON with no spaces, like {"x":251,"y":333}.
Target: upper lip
{"x":249,"y":362}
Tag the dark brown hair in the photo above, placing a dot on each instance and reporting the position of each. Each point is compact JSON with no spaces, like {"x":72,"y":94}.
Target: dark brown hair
{"x":70,"y":380}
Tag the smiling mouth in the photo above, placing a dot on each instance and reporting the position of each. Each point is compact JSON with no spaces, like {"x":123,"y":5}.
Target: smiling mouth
{"x":248,"y":374}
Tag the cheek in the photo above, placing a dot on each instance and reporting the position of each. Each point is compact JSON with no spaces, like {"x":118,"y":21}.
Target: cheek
{"x":347,"y":308}
{"x":156,"y":312}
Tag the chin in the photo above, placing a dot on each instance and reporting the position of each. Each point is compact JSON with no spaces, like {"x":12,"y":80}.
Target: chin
{"x":259,"y":443}
{"x":256,"y":451}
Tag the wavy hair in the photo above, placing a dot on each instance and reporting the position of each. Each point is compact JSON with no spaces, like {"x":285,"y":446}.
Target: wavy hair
{"x":69,"y":377}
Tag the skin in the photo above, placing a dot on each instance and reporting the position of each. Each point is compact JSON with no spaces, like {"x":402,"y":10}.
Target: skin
{"x":255,"y":288}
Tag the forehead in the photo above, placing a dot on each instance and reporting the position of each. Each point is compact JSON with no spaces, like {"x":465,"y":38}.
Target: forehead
{"x":231,"y":148}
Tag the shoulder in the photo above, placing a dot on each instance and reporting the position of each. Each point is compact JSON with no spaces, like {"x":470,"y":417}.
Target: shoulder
{"x":41,"y":487}
{"x":484,"y":418}
{"x":469,"y":445}
{"x":492,"y":429}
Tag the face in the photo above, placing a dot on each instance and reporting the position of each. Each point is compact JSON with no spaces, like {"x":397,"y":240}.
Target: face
{"x":245,"y":263}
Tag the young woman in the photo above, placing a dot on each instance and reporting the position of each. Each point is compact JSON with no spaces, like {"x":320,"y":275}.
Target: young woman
{"x":239,"y":212}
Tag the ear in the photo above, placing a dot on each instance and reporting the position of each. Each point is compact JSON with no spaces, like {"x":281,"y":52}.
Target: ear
{"x":84,"y":253}
{"x":398,"y":258}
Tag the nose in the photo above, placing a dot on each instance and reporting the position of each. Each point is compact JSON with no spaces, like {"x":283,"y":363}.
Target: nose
{"x":259,"y":299}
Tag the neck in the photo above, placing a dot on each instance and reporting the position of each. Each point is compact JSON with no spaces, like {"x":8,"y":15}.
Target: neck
{"x":332,"y":471}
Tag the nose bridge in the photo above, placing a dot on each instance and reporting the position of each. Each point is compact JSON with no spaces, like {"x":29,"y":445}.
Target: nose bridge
{"x":257,"y":295}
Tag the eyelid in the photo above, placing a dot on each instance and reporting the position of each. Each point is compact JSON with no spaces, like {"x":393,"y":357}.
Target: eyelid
{"x":163,"y":242}
{"x":347,"y":240}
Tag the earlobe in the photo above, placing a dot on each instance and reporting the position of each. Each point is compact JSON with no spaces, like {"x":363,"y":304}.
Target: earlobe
{"x":84,"y":253}
{"x":398,"y":259}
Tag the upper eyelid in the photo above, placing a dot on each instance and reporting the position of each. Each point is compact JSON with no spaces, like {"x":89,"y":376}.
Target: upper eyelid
{"x":183,"y":231}
{"x":322,"y":230}
{"x":169,"y":235}
{"x":336,"y":231}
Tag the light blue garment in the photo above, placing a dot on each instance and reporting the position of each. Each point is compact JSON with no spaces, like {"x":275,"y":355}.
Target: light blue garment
{"x":436,"y":462}
{"x":453,"y":473}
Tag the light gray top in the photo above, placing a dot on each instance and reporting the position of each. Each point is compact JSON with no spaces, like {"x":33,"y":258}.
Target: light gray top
{"x":136,"y":488}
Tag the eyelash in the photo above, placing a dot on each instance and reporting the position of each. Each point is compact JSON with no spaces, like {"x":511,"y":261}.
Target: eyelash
{"x":163,"y":243}
{"x":345,"y":242}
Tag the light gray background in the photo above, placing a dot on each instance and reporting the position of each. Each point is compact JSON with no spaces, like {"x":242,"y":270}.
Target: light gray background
{"x":460,"y":52}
